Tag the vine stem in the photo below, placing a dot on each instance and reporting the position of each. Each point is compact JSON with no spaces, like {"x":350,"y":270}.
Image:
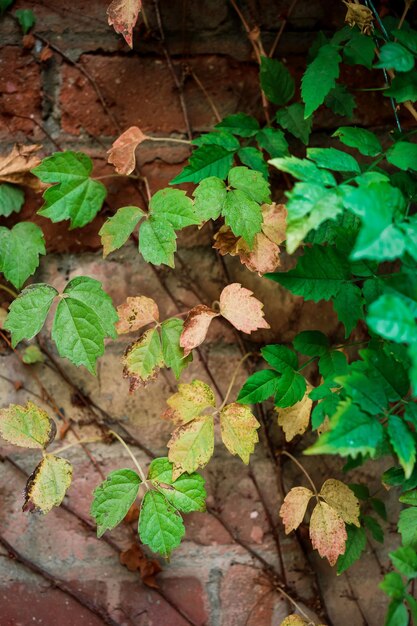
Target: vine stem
{"x":295,"y":604}
{"x":77,"y":443}
{"x":132,"y":456}
{"x":12,"y":293}
{"x":172,"y":139}
{"x":306,"y":474}
{"x":233,"y":379}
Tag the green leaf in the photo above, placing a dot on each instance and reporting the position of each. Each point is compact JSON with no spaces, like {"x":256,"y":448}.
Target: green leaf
{"x":157,"y":242}
{"x":186,"y":494}
{"x":393,"y":585}
{"x":243,"y":215}
{"x":366,"y":392}
{"x":276,"y":81}
{"x":293,"y":119}
{"x":388,"y":371}
{"x":333,"y":159}
{"x":78,"y":334}
{"x":174,"y":207}
{"x":359,"y":138}
{"x":48,"y":484}
{"x":4,"y":5}
{"x":173,"y":354}
{"x":374,"y":528}
{"x":75,"y":196}
{"x":291,"y":388}
{"x":12,"y":199}
{"x":26,"y":19}
{"x":403,"y":87}
{"x":208,"y":160}
{"x":348,"y":304}
{"x":118,"y":228}
{"x":279,"y":357}
{"x":319,"y":275}
{"x":253,"y":158}
{"x":240,"y":124}
{"x":209,"y":198}
{"x":391,"y":318}
{"x":20,"y":249}
{"x":160,"y":526}
{"x":113,"y":498}
{"x":320,"y":78}
{"x":143,"y":359}
{"x":27,"y":313}
{"x":218,"y":138}
{"x":407,"y":527}
{"x":332,"y":364}
{"x":397,"y":614}
{"x":402,"y":440}
{"x":352,"y":432}
{"x":403,"y":155}
{"x":27,"y":426}
{"x":273,"y":141}
{"x":404,"y":559}
{"x":304,"y":170}
{"x":359,"y":50}
{"x":311,"y":342}
{"x":32,"y":354}
{"x":407,"y":37}
{"x":409,"y":497}
{"x":90,"y":292}
{"x":252,"y":183}
{"x":340,"y":101}
{"x":259,"y":387}
{"x":393,"y":56}
{"x":355,"y":545}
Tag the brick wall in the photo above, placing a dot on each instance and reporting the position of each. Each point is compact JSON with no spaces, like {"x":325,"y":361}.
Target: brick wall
{"x":89,"y":89}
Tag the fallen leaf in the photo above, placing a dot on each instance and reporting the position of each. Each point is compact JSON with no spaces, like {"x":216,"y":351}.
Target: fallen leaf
{"x":136,"y":312}
{"x":342,"y":499}
{"x":122,"y":152}
{"x":294,"y":507}
{"x":238,"y":429}
{"x":295,"y":419}
{"x":274,"y":224}
{"x":264,"y":256}
{"x":15,"y":167}
{"x":196,"y":326}
{"x":123,"y":15}
{"x":136,"y":560}
{"x":225,"y":241}
{"x":327,"y":532}
{"x":241,"y":309}
{"x":46,"y":54}
{"x":189,"y":402}
{"x":47,"y":486}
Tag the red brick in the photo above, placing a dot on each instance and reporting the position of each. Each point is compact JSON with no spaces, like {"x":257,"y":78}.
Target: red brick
{"x":245,"y":597}
{"x":140,"y":91}
{"x":20,"y":92}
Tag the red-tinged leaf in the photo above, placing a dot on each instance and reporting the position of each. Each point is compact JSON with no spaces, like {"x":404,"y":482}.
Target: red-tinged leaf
{"x":135,"y":313}
{"x":241,"y":309}
{"x":196,"y":326}
{"x":327,"y":532}
{"x":294,"y":507}
{"x":122,"y":15}
{"x":274,"y":222}
{"x":122,"y":152}
{"x":262,"y":258}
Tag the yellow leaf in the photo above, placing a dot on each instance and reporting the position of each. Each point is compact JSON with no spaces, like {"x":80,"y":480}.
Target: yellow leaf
{"x":342,"y":499}
{"x":327,"y":532}
{"x":27,"y":426}
{"x":274,"y":222}
{"x":241,"y":309}
{"x":294,"y":507}
{"x":135,"y":313}
{"x":143,"y":359}
{"x":47,"y":485}
{"x":191,"y":445}
{"x":294,"y":620}
{"x":238,"y":427}
{"x":196,"y":326}
{"x":295,"y":419}
{"x":189,"y":401}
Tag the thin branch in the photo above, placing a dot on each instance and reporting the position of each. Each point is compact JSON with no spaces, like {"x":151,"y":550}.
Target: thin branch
{"x":282,"y":27}
{"x":233,"y":379}
{"x":132,"y":456}
{"x":306,"y":474}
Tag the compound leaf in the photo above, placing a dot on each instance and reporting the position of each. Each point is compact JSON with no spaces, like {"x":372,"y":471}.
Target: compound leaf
{"x":342,"y":499}
{"x":113,"y":498}
{"x":160,"y":525}
{"x":186,"y":494}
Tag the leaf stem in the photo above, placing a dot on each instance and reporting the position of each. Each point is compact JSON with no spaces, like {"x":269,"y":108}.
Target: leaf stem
{"x":233,"y":379}
{"x":132,"y":456}
{"x":307,"y":363}
{"x":76,"y":443}
{"x":9,"y":291}
{"x":306,"y":474}
{"x":172,"y":139}
{"x":296,"y":605}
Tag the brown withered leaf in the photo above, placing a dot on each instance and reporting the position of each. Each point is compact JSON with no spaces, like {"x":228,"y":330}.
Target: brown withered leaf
{"x":241,"y":309}
{"x":28,"y":41}
{"x":274,"y":224}
{"x":15,"y":167}
{"x":264,"y":256}
{"x":196,"y":326}
{"x":45,"y":54}
{"x":133,"y":514}
{"x":136,"y":560}
{"x":123,"y":15}
{"x":225,"y":241}
{"x":359,"y":15}
{"x":136,"y":312}
{"x":122,"y":152}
